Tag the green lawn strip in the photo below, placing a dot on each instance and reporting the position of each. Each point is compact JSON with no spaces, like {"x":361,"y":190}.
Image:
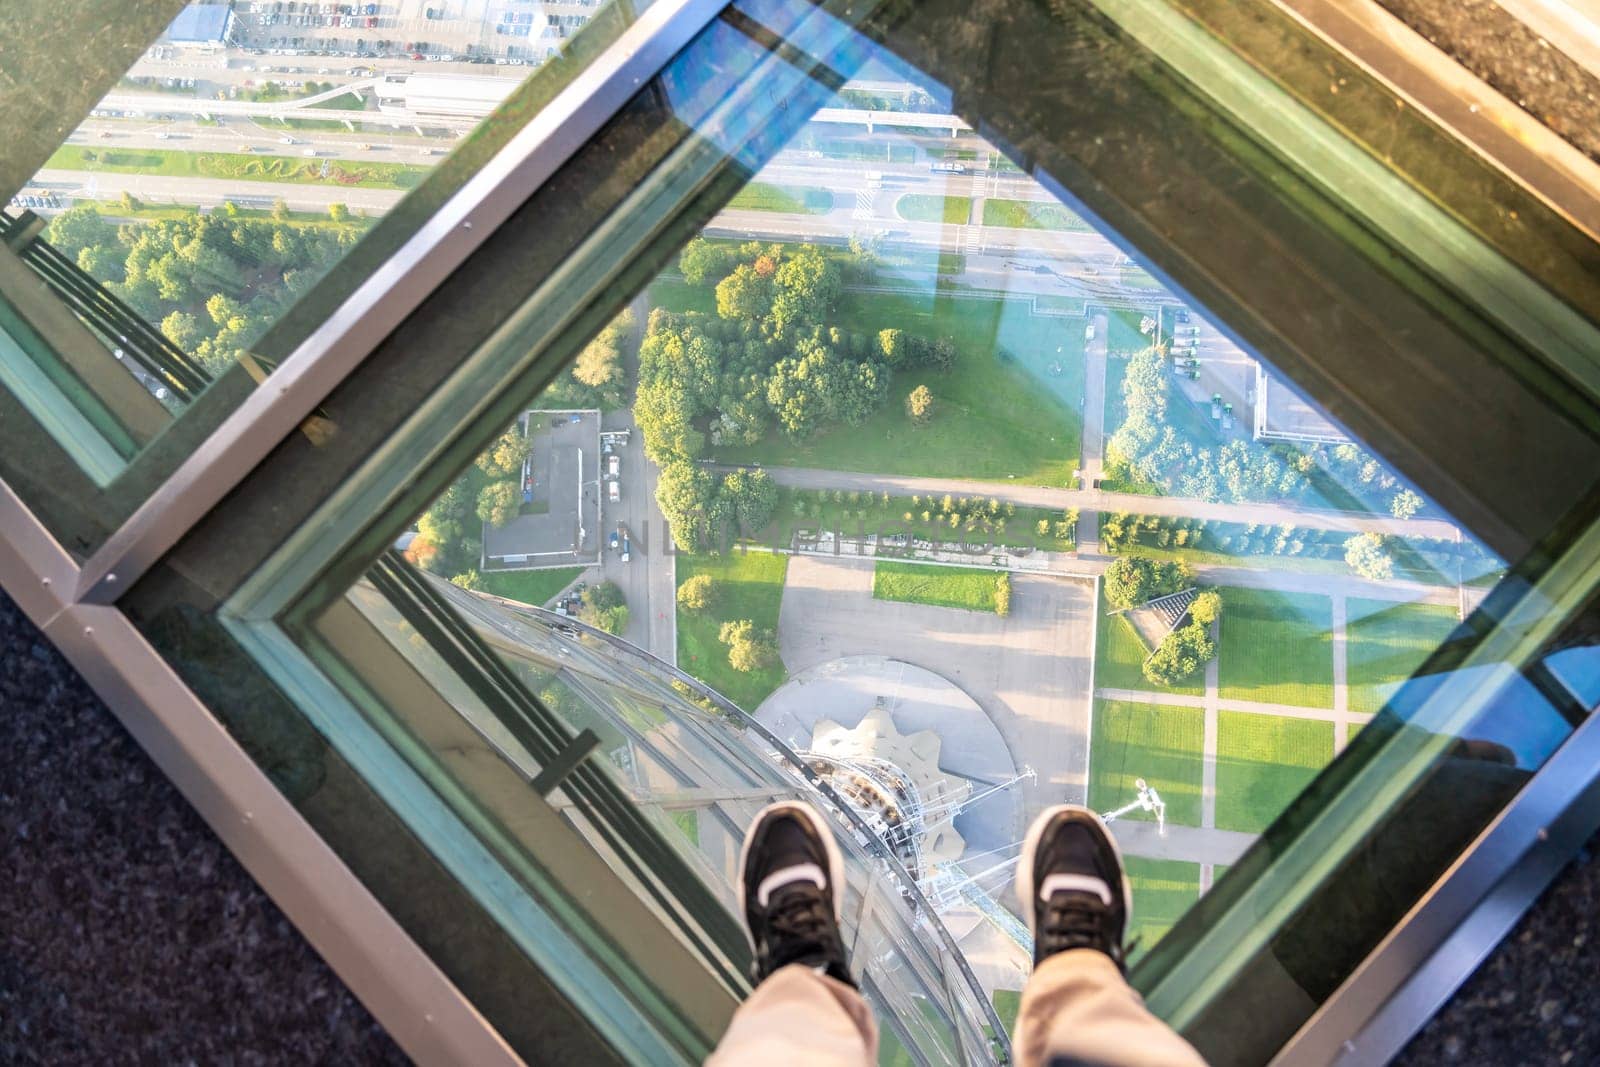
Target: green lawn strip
{"x":1276,"y":648}
{"x":865,"y":512}
{"x":238,"y":167}
{"x":1122,"y":332}
{"x":785,"y":199}
{"x":1323,"y":551}
{"x":916,"y":207}
{"x":749,"y":585}
{"x":1162,"y":891}
{"x":943,"y":587}
{"x":1386,"y":642}
{"x":1263,"y":762}
{"x":1007,"y":1003}
{"x":1119,"y":658}
{"x":688,"y":822}
{"x":992,"y":420}
{"x":1161,"y":744}
{"x":1031,"y":215}
{"x":530,"y":587}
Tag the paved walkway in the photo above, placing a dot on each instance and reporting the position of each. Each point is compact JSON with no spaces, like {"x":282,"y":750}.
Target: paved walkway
{"x":1192,"y":844}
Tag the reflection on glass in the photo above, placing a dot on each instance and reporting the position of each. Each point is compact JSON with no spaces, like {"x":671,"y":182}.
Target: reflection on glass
{"x":243,"y":156}
{"x":920,"y":467}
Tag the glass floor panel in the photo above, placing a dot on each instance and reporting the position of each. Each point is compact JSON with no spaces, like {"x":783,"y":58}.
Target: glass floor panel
{"x":253,"y":168}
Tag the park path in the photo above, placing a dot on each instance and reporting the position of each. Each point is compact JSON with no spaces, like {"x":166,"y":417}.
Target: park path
{"x":1191,"y":844}
{"x":1249,"y":707}
{"x":1044,"y":496}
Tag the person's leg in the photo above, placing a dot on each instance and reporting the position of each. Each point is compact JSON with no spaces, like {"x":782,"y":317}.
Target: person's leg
{"x":1077,"y":1007}
{"x":806,"y":1005}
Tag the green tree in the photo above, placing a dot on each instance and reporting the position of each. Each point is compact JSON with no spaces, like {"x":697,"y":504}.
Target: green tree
{"x":339,"y":212}
{"x":1206,"y":608}
{"x":603,"y":595}
{"x":749,"y":648}
{"x":744,"y":294}
{"x":684,"y":492}
{"x":755,"y":498}
{"x":280,"y":210}
{"x":498,"y":503}
{"x":79,"y":227}
{"x":1133,"y":580}
{"x":600,"y":365}
{"x":470,"y":580}
{"x":1368,"y":555}
{"x":697,"y":593}
{"x":1002,"y":595}
{"x":806,"y":287}
{"x":920,"y":405}
{"x":1180,"y":654}
{"x":503,"y":459}
{"x":1405,"y":504}
{"x":702,"y":262}
{"x":183,"y":330}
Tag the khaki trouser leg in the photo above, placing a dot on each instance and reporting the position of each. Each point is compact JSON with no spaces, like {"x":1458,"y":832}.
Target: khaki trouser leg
{"x":1077,"y":1006}
{"x":800,"y":1016}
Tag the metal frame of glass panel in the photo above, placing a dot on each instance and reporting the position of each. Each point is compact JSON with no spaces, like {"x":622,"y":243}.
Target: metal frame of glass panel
{"x":76,"y":608}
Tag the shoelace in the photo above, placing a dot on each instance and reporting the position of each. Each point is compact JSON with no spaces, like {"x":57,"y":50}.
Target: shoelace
{"x":1078,"y":920}
{"x":799,"y":925}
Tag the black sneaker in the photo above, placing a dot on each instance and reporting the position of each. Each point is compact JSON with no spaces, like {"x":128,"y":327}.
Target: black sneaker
{"x":1072,"y":885}
{"x":791,"y":878}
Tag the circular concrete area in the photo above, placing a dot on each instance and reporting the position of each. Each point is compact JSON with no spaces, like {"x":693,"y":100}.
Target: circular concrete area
{"x":845,"y":690}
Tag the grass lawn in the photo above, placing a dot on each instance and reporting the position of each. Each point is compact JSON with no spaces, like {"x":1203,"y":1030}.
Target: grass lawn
{"x":994,"y":421}
{"x":1277,"y":648}
{"x":916,"y":207}
{"x":530,"y":587}
{"x":1160,"y":744}
{"x":237,"y":166}
{"x":1119,"y":658}
{"x":1007,"y":1003}
{"x":787,"y":199}
{"x":688,"y":822}
{"x":749,"y":585}
{"x":1386,"y":642}
{"x":943,"y":587}
{"x":1162,"y":891}
{"x":1030,"y":215}
{"x":1263,"y":762}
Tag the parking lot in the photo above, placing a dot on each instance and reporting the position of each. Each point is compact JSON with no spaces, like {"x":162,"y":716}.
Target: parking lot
{"x":559,"y":522}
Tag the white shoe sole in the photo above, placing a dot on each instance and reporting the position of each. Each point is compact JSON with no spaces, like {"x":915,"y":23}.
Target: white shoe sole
{"x":1030,"y":843}
{"x":835,"y":857}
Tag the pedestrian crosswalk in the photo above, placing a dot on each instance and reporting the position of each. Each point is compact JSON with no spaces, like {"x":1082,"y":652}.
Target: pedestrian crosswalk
{"x":863,"y":208}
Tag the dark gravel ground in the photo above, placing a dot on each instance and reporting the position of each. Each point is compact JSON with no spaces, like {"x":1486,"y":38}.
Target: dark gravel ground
{"x":1484,"y":38}
{"x":128,"y":933}
{"x":1536,"y":999}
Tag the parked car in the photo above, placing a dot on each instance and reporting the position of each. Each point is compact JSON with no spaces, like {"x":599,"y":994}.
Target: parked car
{"x":614,"y":492}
